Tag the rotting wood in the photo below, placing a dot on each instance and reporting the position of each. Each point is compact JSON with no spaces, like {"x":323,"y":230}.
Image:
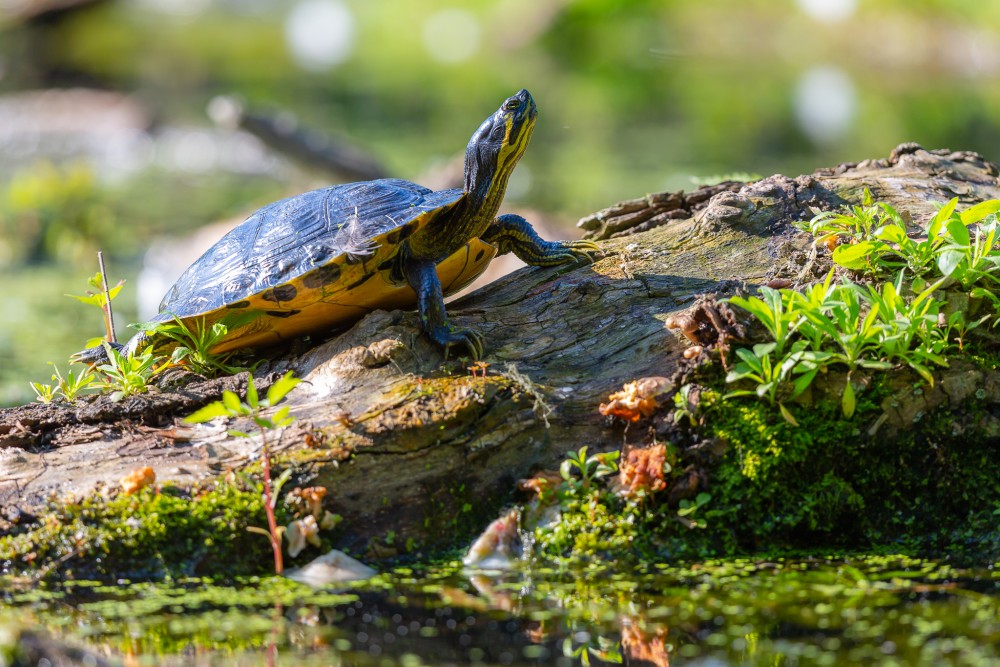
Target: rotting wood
{"x":411,"y":444}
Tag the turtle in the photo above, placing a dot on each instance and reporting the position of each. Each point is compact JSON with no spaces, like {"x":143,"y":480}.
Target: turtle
{"x":324,"y":259}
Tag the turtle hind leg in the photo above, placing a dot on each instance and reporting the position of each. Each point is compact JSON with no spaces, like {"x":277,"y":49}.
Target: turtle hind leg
{"x":98,"y":355}
{"x":422,"y":277}
{"x":512,"y":233}
{"x":94,"y":355}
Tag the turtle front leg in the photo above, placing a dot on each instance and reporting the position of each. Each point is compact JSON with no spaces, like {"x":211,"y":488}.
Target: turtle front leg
{"x":512,"y":233}
{"x":422,"y":277}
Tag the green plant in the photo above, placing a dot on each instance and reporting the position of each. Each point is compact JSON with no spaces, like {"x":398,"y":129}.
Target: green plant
{"x":855,"y":223}
{"x":687,"y":508}
{"x":100,"y":298}
{"x":45,"y":393}
{"x":772,"y":374}
{"x":254,"y":407}
{"x":195,"y":343}
{"x":982,"y":293}
{"x":127,"y":374}
{"x":684,"y":409}
{"x":778,"y":313}
{"x":590,"y":468}
{"x":859,"y":327}
{"x":73,"y":384}
{"x":909,"y":328}
{"x":966,"y":258}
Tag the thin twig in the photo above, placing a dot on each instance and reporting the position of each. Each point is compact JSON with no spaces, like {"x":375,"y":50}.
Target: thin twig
{"x":272,"y":523}
{"x":109,"y":319}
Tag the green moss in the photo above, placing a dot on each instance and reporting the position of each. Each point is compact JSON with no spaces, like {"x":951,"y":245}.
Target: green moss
{"x":152,"y":534}
{"x":828,"y":483}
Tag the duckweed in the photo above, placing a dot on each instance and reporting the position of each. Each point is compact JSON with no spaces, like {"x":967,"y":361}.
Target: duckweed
{"x":875,"y":609}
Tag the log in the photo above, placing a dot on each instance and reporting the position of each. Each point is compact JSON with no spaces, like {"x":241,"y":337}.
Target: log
{"x":411,"y":444}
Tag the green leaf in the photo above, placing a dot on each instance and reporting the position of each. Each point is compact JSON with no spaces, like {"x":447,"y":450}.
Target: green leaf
{"x":252,"y":397}
{"x":90,"y":299}
{"x":280,"y":389}
{"x":855,"y":256}
{"x":941,"y":216}
{"x":803,"y":382}
{"x":949,"y":260}
{"x":787,"y":415}
{"x":924,"y":372}
{"x":891,"y":233}
{"x":959,"y":233}
{"x":976,"y":213}
{"x":232,"y":402}
{"x":239,"y":434}
{"x":847,"y":403}
{"x":208,"y":413}
{"x":738,"y":393}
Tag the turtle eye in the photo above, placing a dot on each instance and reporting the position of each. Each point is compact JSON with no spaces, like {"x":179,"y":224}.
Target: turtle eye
{"x":511,"y":105}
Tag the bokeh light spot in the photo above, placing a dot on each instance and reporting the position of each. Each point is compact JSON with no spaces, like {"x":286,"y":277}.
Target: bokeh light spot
{"x":825,"y":104}
{"x":828,"y":11}
{"x":320,"y":33}
{"x":451,"y":35}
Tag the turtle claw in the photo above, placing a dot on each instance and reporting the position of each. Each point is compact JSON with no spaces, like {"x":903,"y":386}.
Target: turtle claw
{"x":473,"y":341}
{"x":572,"y":252}
{"x":585,"y":251}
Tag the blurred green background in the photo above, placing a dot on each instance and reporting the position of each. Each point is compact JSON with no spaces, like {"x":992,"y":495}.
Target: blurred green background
{"x":106,"y":139}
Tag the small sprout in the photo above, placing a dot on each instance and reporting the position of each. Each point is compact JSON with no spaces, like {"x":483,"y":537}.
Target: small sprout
{"x":637,"y":399}
{"x":137,"y":480}
{"x":253,"y":407}
{"x":72,"y":385}
{"x":686,"y":405}
{"x":45,"y":393}
{"x":689,"y":507}
{"x":196,"y":340}
{"x":126,"y":374}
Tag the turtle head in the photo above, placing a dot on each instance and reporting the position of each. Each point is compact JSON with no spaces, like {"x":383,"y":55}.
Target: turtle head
{"x":498,"y":144}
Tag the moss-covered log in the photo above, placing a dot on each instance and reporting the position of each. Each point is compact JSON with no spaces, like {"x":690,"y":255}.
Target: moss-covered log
{"x":416,"y":450}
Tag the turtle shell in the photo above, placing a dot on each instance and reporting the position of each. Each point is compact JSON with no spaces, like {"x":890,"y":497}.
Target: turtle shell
{"x":317,"y":260}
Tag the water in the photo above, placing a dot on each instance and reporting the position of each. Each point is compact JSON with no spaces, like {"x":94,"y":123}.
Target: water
{"x":884,"y":610}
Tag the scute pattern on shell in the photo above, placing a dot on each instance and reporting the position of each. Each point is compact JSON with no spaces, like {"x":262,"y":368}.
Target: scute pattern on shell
{"x":291,"y":237}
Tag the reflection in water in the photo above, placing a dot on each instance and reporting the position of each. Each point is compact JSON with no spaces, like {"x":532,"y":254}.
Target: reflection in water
{"x":876,"y":610}
{"x":825,"y":104}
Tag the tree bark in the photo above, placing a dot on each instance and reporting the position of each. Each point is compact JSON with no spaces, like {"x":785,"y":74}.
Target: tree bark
{"x":420,"y":449}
